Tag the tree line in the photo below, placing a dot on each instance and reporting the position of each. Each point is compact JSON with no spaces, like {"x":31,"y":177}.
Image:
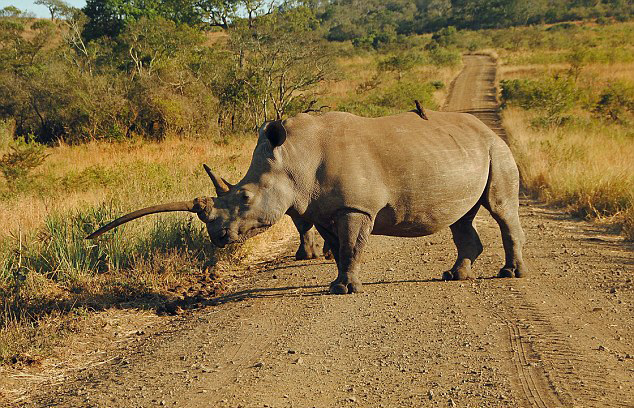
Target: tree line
{"x":65,"y":80}
{"x":123,"y":68}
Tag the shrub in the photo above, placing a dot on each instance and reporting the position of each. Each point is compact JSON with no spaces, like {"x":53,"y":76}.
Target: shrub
{"x":551,"y":96}
{"x":24,"y":156}
{"x":444,"y":57}
{"x":402,"y":95}
{"x":616,"y":102}
{"x":437,"y":84}
{"x":400,"y":63}
{"x":394,"y":99}
{"x":577,"y":59}
{"x":445,"y":37}
{"x":6,"y":133}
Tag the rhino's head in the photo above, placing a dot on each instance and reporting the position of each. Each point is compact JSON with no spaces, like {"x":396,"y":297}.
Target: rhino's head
{"x":243,"y":210}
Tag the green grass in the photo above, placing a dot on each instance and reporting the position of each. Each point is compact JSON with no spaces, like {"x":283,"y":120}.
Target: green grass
{"x":59,"y":251}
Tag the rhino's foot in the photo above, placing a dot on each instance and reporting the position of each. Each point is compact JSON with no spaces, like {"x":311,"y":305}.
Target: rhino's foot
{"x":511,"y":272}
{"x":340,"y":288}
{"x":328,"y":254}
{"x":303,"y":254}
{"x":462,"y":273}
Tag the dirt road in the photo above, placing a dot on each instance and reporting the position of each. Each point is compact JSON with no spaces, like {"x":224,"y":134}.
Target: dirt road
{"x":562,"y":337}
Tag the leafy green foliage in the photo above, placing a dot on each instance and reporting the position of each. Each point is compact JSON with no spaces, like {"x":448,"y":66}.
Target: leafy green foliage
{"x":148,"y":84}
{"x":552,"y":96}
{"x":108,"y":18}
{"x":278,"y":64}
{"x":57,"y":8}
{"x":400,"y":63}
{"x":577,"y":59}
{"x":11,"y":12}
{"x":445,"y":37}
{"x":377,"y":23}
{"x":394,"y":99}
{"x":139,"y":68}
{"x":616,"y":102}
{"x":19,"y":162}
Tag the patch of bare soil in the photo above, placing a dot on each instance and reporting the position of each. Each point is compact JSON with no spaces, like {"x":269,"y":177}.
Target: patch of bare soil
{"x":562,"y":337}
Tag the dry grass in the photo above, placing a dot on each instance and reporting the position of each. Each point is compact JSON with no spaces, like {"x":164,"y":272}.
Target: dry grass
{"x":74,"y":177}
{"x":362,"y":69}
{"x":588,"y":170}
{"x":585,"y":164}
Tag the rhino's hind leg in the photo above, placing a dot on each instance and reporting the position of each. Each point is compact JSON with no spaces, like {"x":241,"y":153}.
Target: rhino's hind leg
{"x":502,"y":201}
{"x":513,"y":240}
{"x":468,"y":244}
{"x":347,"y":242}
{"x":308,"y":248}
{"x":327,"y":251}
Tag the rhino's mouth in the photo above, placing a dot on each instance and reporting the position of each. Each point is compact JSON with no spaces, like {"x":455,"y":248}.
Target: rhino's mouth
{"x":221,"y":239}
{"x":226,"y":237}
{"x":252,"y":232}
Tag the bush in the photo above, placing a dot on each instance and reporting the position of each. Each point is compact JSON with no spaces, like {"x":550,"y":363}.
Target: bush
{"x":551,"y":96}
{"x":444,"y":57}
{"x":395,"y":99}
{"x":400,"y":63}
{"x":445,"y":37}
{"x":616,"y":102}
{"x":17,"y":165}
{"x":437,"y":84}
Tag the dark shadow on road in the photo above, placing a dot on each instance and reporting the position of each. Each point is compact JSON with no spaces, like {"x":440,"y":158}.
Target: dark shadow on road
{"x":297,"y":291}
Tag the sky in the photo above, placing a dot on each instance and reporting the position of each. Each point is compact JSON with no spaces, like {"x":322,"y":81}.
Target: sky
{"x":39,"y":11}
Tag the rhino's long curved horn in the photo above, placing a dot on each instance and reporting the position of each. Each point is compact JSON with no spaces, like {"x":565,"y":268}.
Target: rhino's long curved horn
{"x":177,"y":206}
{"x":222,"y":186}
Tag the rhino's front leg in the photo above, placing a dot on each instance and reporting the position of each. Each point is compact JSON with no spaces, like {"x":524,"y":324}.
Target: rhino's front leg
{"x":352,"y":230}
{"x":308,"y":248}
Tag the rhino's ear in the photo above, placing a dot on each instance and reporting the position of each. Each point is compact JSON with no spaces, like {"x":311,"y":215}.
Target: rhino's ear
{"x":275,"y":132}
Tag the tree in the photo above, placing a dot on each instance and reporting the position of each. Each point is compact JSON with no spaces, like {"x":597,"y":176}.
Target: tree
{"x":108,"y":18}
{"x":445,"y":37}
{"x":400,"y":63}
{"x":57,"y":8}
{"x":151,"y":41}
{"x":256,"y":8}
{"x":78,"y":51}
{"x":218,"y":13}
{"x":279,"y":62}
{"x":11,"y":11}
{"x":578,"y":59}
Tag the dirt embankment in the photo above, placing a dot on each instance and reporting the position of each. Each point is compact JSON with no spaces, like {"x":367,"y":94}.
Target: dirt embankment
{"x":562,"y":337}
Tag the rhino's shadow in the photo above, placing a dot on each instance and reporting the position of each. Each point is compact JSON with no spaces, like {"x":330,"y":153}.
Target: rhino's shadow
{"x":297,"y":291}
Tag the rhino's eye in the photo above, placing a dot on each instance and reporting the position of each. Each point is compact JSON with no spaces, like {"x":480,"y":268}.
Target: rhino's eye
{"x":246,"y":197}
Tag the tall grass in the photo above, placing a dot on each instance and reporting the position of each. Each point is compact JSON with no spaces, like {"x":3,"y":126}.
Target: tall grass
{"x":583,"y":160}
{"x":586,"y":168}
{"x":48,"y":269}
{"x":59,"y":251}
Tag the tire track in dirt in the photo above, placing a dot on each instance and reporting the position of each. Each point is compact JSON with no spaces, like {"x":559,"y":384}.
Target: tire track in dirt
{"x":553,"y":371}
{"x":474,"y":91}
{"x":528,"y":378}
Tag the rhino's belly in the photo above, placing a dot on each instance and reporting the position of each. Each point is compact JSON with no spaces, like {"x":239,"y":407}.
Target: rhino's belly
{"x":417,"y":226}
{"x":416,"y":218}
{"x":405,"y":229}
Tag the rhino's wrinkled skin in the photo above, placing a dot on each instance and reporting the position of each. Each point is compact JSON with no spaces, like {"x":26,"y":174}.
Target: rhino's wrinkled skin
{"x":397,"y":175}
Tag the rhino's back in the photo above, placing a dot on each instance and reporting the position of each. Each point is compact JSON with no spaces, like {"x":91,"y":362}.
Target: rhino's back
{"x":414,"y":175}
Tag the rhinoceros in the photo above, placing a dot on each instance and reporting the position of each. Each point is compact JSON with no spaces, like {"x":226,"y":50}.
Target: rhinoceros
{"x":352,"y":176}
